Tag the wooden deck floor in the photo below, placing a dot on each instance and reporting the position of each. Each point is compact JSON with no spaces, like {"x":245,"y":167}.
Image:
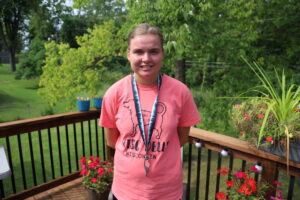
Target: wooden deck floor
{"x":69,"y":191}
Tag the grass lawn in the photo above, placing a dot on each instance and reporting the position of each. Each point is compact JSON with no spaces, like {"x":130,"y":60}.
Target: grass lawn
{"x":19,"y":98}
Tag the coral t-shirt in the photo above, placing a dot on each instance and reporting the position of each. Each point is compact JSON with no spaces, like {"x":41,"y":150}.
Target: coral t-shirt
{"x":175,"y":108}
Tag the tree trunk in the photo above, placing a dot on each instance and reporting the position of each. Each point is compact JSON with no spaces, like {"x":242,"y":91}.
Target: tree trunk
{"x":12,"y":60}
{"x":179,"y":70}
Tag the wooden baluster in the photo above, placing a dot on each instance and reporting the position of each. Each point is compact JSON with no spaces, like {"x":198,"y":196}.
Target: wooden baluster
{"x":270,"y":174}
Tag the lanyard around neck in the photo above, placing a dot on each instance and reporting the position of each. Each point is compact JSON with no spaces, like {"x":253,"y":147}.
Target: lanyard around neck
{"x":139,"y":114}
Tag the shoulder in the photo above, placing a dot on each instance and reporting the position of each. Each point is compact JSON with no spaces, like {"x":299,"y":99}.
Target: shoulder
{"x":174,"y":84}
{"x":119,"y":86}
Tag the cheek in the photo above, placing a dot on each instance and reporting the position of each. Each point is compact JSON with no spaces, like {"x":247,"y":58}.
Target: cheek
{"x":134,"y":61}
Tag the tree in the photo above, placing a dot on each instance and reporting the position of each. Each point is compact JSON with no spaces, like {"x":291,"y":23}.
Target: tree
{"x":73,"y":25}
{"x":99,"y":11}
{"x":12,"y":15}
{"x":68,"y":71}
{"x":43,"y":22}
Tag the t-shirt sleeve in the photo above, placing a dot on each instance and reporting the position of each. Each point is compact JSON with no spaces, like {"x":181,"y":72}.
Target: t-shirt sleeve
{"x":189,"y":111}
{"x":108,"y":110}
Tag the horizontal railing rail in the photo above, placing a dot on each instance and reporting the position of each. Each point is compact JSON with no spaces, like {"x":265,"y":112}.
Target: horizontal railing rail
{"x":237,"y":149}
{"x":44,"y":152}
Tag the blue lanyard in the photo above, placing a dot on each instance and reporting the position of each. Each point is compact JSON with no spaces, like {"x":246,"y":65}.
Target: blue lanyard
{"x":139,"y":116}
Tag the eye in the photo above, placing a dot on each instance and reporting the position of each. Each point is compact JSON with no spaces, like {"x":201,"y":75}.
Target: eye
{"x":138,"y":51}
{"x":154,"y":51}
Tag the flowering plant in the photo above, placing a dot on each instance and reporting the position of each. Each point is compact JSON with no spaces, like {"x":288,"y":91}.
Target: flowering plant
{"x":248,"y":118}
{"x":281,"y":118}
{"x":242,"y":185}
{"x":96,"y":174}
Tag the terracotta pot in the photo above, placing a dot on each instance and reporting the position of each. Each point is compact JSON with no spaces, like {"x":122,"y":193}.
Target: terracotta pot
{"x":94,"y":195}
{"x":279,"y":150}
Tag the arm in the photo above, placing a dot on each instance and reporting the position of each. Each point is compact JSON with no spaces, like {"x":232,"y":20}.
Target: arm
{"x":112,"y":135}
{"x":183,"y":134}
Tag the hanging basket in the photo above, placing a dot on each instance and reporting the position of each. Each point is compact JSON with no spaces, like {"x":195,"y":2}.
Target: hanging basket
{"x":279,"y":150}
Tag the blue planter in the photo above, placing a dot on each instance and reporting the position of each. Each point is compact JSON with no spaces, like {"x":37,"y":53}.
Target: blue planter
{"x":97,"y":103}
{"x":83,"y":105}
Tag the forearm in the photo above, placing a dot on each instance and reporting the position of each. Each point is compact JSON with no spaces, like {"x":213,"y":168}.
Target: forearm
{"x":112,"y":135}
{"x":183,"y":134}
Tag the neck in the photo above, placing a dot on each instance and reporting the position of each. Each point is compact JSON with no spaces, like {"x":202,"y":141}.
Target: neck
{"x":143,"y":81}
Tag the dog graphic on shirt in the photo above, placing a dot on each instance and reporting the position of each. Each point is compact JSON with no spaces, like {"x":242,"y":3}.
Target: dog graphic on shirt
{"x":161,"y":110}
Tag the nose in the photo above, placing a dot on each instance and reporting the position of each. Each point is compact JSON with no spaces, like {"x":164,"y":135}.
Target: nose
{"x":146,"y":57}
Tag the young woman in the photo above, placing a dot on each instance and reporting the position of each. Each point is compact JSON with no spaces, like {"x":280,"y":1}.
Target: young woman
{"x":147,"y":117}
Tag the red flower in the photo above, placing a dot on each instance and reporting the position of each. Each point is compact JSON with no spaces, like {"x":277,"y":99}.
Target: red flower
{"x":83,"y":172}
{"x":93,"y":164}
{"x":229,"y":183}
{"x":101,"y":171}
{"x":220,"y":195}
{"x":244,"y":189}
{"x":247,"y":116}
{"x":253,"y":168}
{"x":97,"y":160}
{"x":239,"y":105}
{"x":83,"y":160}
{"x":252,"y":183}
{"x":94,"y":180}
{"x":241,"y":175}
{"x":277,"y":183}
{"x":222,"y":171}
{"x":269,"y":139}
{"x":260,"y":116}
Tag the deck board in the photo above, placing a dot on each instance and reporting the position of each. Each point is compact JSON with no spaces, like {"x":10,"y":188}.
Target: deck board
{"x":68,"y":191}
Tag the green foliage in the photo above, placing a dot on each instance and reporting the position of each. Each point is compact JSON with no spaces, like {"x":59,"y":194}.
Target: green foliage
{"x":31,"y":61}
{"x":100,"y":11}
{"x":213,"y":111}
{"x":73,"y":26}
{"x":68,"y":71}
{"x":281,"y":101}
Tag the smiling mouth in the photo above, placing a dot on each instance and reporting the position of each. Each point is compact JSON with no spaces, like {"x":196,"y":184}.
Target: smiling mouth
{"x":146,"y":67}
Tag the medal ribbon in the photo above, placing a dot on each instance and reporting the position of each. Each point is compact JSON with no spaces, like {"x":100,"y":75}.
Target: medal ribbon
{"x":139,"y":116}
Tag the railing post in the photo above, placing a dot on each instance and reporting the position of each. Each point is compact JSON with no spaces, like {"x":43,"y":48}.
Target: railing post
{"x":270,"y":175}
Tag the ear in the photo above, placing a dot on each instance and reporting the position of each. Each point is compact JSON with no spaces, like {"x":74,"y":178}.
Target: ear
{"x":128,"y":54}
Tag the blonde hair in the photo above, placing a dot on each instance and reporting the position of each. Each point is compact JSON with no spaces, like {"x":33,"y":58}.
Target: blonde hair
{"x":143,"y":29}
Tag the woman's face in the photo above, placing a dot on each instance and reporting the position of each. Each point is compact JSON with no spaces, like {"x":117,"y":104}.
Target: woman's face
{"x":145,"y":55}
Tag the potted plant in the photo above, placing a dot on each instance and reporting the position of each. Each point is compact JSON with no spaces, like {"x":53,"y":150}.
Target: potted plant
{"x":97,"y":177}
{"x":97,"y":102}
{"x":97,"y":99}
{"x":242,"y":185}
{"x":83,"y":104}
{"x":272,"y":117}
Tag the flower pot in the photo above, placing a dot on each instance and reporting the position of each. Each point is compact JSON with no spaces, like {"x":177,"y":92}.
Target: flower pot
{"x":279,"y":150}
{"x":94,"y":195}
{"x":83,"y":105}
{"x":97,"y":103}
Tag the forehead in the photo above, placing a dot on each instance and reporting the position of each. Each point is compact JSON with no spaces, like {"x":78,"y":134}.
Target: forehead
{"x":147,"y":41}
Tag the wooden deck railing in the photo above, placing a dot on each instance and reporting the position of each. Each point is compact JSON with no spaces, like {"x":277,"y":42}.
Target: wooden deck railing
{"x":44,"y":152}
{"x":243,"y":150}
{"x":57,"y":142}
